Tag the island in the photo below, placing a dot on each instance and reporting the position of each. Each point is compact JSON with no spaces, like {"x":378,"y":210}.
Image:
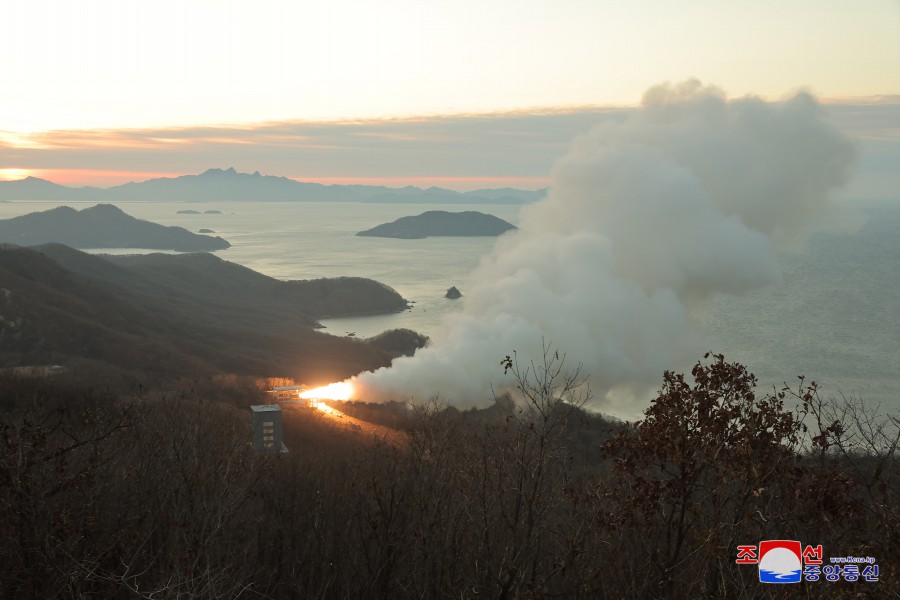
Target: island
{"x":453,"y":293}
{"x":204,"y":230}
{"x":188,"y":212}
{"x":102,"y":226}
{"x":440,"y":223}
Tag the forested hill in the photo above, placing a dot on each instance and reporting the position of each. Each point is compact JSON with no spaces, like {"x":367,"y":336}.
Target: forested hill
{"x":178,"y":315}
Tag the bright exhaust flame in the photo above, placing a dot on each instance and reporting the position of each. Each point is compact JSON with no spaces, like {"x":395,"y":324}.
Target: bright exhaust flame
{"x":332,"y":391}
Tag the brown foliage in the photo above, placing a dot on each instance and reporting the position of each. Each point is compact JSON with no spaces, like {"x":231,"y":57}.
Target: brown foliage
{"x":130,"y":493}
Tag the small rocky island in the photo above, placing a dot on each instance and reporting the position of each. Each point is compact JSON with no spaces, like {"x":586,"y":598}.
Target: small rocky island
{"x":439,"y":223}
{"x":453,"y":293}
{"x":102,"y":226}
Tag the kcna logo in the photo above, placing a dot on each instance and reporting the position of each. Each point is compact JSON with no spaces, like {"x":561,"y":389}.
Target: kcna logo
{"x":780,"y":561}
{"x":786,"y":561}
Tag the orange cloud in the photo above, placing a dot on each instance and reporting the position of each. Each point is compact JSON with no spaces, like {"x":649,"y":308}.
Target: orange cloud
{"x":461,"y":151}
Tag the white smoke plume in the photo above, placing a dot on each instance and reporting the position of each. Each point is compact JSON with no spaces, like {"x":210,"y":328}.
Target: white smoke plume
{"x":646,"y":216}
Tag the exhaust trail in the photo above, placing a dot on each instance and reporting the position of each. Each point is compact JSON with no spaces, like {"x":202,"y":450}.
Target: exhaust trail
{"x":646,"y":217}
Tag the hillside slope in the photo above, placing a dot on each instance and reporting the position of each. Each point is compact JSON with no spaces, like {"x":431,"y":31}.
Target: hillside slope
{"x":168,"y":315}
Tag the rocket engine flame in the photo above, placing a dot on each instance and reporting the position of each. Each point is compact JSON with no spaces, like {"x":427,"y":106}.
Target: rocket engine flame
{"x":333,"y":391}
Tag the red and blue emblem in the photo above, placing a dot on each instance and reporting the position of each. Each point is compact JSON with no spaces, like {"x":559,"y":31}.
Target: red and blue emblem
{"x":780,"y":561}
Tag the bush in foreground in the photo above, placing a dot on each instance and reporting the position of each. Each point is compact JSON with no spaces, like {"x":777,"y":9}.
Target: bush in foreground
{"x":136,"y":494}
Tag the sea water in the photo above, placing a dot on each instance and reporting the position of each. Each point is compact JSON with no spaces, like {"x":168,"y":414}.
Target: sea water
{"x":834,"y":317}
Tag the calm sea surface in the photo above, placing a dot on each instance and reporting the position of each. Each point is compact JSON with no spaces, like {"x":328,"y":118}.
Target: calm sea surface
{"x":835,"y":317}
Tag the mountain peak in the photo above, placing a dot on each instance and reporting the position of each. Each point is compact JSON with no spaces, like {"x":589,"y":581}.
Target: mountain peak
{"x":29,"y":180}
{"x":60,"y":210}
{"x":109,"y":209}
{"x":218,"y":172}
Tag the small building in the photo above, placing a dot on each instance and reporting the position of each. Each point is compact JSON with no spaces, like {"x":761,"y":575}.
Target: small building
{"x":266,"y":419}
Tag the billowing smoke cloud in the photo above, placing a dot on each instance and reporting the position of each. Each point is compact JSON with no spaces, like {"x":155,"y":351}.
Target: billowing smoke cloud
{"x":646,"y":217}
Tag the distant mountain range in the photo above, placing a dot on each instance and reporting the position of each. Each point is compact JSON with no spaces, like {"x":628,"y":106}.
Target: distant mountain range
{"x":215,"y":185}
{"x":102,"y":226}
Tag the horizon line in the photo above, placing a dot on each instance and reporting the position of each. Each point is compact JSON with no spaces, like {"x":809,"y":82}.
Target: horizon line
{"x":329,"y":181}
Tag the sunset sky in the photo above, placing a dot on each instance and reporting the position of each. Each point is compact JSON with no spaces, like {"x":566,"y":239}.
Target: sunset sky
{"x":456,"y":93}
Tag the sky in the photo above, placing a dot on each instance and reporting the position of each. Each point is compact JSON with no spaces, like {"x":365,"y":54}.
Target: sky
{"x":395,"y":92}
